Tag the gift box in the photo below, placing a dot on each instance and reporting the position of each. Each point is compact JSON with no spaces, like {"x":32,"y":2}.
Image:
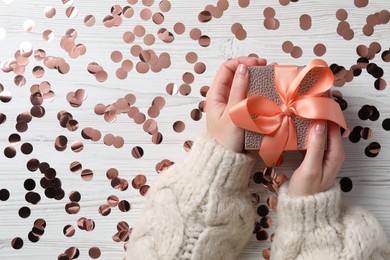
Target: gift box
{"x":283,"y":102}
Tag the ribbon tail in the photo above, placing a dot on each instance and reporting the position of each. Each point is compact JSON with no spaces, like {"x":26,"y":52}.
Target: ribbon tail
{"x":320,"y":108}
{"x":273,"y":146}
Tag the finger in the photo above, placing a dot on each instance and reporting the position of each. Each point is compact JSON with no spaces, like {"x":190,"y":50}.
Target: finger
{"x":239,"y":86}
{"x":334,"y":156}
{"x":222,"y":82}
{"x":315,"y":148}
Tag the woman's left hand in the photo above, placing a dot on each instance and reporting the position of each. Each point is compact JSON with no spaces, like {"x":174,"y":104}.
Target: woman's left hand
{"x":229,"y":87}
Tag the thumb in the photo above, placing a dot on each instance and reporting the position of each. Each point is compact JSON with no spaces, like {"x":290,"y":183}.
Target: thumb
{"x":239,"y":86}
{"x":315,"y":147}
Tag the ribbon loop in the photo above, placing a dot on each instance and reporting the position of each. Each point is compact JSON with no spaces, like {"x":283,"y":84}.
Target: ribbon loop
{"x":262,"y":115}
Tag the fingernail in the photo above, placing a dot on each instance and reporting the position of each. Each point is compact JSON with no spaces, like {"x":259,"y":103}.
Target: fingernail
{"x":242,"y":70}
{"x":320,"y":128}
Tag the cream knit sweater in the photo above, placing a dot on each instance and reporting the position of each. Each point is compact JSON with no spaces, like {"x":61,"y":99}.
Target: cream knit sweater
{"x":201,"y":209}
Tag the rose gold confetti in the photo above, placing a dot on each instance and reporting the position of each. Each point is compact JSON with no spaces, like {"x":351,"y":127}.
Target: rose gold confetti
{"x":188,"y":77}
{"x":109,"y":139}
{"x":235,"y":27}
{"x":178,"y":126}
{"x":146,"y":14}
{"x":204,"y":41}
{"x":241,"y":34}
{"x":77,"y":146}
{"x":101,"y":76}
{"x":185,"y":89}
{"x":71,"y":12}
{"x":270,"y":23}
{"x":305,"y":22}
{"x":112,"y":173}
{"x":157,"y":138}
{"x":38,"y":72}
{"x":144,"y":189}
{"x":138,"y":181}
{"x":165,"y":35}
{"x":188,"y":145}
{"x":204,"y":16}
{"x":94,"y":252}
{"x":165,"y":6}
{"x":26,"y":148}
{"x":5,"y":96}
{"x":214,"y":10}
{"x":50,"y":12}
{"x":135,"y":50}
{"x":116,"y":56}
{"x":124,"y":206}
{"x":10,"y":152}
{"x":361,"y":3}
{"x":179,"y":28}
{"x":149,"y":39}
{"x":104,"y":209}
{"x":384,"y":16}
{"x":287,"y":47}
{"x":296,"y":52}
{"x":72,"y":208}
{"x":158,"y":18}
{"x":368,"y":30}
{"x":171,"y":89}
{"x":137,"y":152}
{"x":319,"y":49}
{"x":243,"y":3}
{"x":119,"y":142}
{"x":142,"y":67}
{"x":195,"y":34}
{"x":269,"y":12}
{"x":61,"y":143}
{"x":69,"y":231}
{"x":341,"y":14}
{"x":87,"y":175}
{"x":17,"y":243}
{"x":191,"y":57}
{"x":196,"y":114}
{"x":139,"y":31}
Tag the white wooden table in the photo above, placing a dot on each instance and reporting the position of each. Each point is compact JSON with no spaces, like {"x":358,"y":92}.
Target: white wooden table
{"x":370,"y":176}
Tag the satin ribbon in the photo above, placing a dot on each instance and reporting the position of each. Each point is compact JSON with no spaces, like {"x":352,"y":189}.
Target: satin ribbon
{"x":262,"y":115}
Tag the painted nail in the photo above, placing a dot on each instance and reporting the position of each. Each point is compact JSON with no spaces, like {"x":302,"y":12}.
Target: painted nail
{"x":242,"y":70}
{"x":320,"y":128}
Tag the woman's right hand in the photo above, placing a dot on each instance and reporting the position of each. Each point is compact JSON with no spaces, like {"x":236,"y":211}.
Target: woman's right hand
{"x":320,"y":167}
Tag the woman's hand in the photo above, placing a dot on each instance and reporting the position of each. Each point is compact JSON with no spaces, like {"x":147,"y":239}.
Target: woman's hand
{"x":319,"y":168}
{"x":229,"y":87}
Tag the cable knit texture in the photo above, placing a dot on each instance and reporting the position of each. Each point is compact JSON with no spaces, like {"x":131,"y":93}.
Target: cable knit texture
{"x":317,"y":227}
{"x":199,"y":209}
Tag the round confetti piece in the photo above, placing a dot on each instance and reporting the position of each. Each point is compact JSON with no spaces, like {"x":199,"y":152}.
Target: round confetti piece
{"x":373,"y":149}
{"x":305,"y":22}
{"x":346,"y":184}
{"x":94,"y":252}
{"x":341,"y":14}
{"x":137,"y":152}
{"x":17,"y":243}
{"x":319,"y":49}
{"x":4,"y":194}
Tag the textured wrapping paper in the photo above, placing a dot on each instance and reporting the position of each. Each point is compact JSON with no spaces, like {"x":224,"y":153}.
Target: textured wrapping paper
{"x":283,"y":102}
{"x":262,"y":83}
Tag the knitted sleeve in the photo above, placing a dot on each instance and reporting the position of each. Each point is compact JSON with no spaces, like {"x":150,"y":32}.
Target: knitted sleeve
{"x":317,"y":227}
{"x":199,"y":208}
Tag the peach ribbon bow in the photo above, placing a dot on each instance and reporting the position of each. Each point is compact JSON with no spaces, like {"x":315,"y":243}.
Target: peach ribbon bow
{"x":262,"y":115}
